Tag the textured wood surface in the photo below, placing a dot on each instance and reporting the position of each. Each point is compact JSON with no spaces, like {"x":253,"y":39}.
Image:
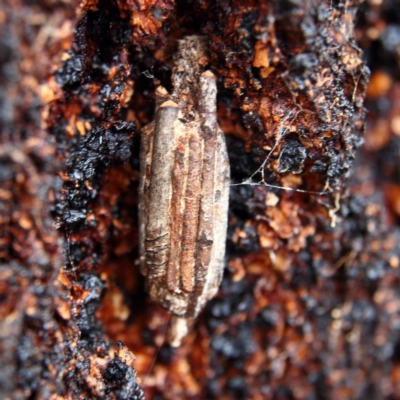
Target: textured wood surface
{"x":308,"y":305}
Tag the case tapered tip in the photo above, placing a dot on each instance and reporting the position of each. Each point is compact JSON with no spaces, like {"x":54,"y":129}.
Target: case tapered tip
{"x":178,"y":329}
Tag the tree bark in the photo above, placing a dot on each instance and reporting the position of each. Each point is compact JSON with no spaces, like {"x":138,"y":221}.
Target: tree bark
{"x":308,"y":307}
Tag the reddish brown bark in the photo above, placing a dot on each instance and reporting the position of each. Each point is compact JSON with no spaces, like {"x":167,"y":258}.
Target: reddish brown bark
{"x":309,"y":303}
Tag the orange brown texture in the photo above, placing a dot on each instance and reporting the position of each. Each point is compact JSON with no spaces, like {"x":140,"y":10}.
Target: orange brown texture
{"x":308,"y":307}
{"x":147,"y":17}
{"x":50,"y":342}
{"x":297,"y":315}
{"x":299,"y":84}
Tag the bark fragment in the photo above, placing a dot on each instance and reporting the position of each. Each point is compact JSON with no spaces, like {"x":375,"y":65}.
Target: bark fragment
{"x":306,"y":309}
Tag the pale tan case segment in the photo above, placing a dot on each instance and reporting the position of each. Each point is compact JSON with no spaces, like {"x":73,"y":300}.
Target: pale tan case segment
{"x":184,"y":192}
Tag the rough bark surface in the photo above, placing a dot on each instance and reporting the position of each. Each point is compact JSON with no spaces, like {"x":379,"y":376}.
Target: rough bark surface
{"x":309,"y":304}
